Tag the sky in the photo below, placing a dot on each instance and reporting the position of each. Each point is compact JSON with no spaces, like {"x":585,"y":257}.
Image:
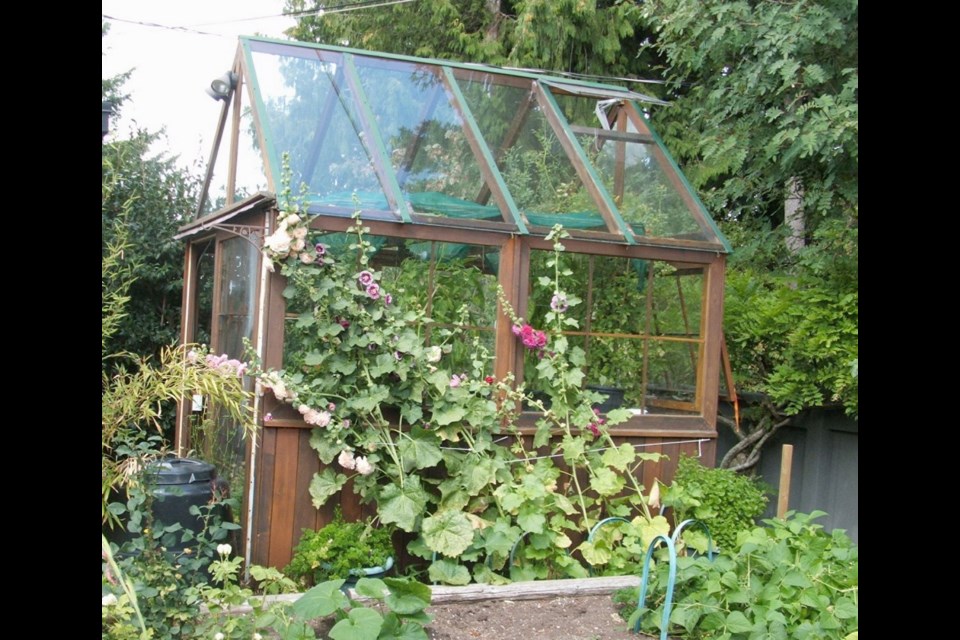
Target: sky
{"x":171,"y":67}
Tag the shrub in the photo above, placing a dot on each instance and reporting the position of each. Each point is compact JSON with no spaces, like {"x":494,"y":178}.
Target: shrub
{"x":724,"y":500}
{"x":787,"y":579}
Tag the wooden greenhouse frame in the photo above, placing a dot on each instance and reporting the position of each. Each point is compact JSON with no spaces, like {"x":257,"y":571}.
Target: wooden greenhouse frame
{"x":437,"y":152}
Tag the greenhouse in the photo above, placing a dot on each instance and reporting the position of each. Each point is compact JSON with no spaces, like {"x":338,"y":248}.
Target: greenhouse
{"x":458,"y":174}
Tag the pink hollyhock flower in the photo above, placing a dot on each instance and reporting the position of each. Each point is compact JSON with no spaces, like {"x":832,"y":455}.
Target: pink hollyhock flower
{"x":347,"y":460}
{"x":364,"y":467}
{"x":365,"y":278}
{"x":373,"y":290}
{"x":317,"y":418}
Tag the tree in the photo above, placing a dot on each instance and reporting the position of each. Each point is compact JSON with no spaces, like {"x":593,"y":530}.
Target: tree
{"x":152,"y":195}
{"x":559,"y":35}
{"x":765,"y":122}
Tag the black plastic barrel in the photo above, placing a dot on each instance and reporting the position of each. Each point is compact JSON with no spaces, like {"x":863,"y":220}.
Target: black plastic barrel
{"x":177,"y":485}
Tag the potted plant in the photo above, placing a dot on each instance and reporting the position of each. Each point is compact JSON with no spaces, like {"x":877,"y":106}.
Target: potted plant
{"x":346,"y":550}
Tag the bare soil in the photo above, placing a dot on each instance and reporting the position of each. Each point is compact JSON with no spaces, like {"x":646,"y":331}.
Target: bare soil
{"x":559,"y":618}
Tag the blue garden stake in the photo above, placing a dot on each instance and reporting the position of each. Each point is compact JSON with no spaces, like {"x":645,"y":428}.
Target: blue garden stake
{"x":671,"y":579}
{"x":593,"y":530}
{"x":698,"y":523}
{"x":513,"y":550}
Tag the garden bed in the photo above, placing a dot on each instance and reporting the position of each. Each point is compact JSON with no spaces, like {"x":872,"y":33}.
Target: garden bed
{"x":581,"y":609}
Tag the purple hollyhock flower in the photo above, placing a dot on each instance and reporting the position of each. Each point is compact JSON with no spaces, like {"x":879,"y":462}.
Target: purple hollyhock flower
{"x":387,"y":299}
{"x":373,"y":290}
{"x":365,"y":278}
{"x":321,"y":250}
{"x":559,"y":303}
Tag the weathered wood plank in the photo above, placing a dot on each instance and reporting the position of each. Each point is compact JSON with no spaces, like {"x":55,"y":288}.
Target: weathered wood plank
{"x":284,"y":497}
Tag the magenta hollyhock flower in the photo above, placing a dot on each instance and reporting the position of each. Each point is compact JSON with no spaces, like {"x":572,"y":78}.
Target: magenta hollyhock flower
{"x":533,"y":339}
{"x":489,"y":379}
{"x":365,"y":278}
{"x":373,"y":290}
{"x":268,"y":417}
{"x":516,"y":330}
{"x":559,"y":302}
{"x":387,"y":299}
{"x":594,"y":429}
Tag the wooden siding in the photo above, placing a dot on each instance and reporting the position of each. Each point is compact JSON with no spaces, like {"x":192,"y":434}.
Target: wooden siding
{"x":286,"y":464}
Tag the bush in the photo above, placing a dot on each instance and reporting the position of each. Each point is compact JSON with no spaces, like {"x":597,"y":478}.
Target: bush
{"x":787,"y":579}
{"x":724,"y":500}
{"x":338,"y":548}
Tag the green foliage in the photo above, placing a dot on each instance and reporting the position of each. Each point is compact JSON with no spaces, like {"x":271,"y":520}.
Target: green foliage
{"x":150,"y":197}
{"x":338,"y":550}
{"x":727,"y":502}
{"x":788,"y":579}
{"x":132,"y":403}
{"x":568,"y":35}
{"x":766,"y":106}
{"x":766,"y":92}
{"x":794,"y":333}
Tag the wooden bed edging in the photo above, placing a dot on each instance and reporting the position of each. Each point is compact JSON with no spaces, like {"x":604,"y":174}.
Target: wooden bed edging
{"x":531,"y":590}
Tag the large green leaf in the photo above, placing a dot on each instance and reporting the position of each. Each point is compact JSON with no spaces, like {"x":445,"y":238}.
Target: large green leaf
{"x":448,"y":414}
{"x":407,"y":596}
{"x":419,"y":451}
{"x":621,"y":457}
{"x":325,"y":484}
{"x":605,"y":482}
{"x":403,"y":505}
{"x":322,"y":600}
{"x":530,"y":519}
{"x":595,"y":553}
{"x":449,"y":572}
{"x":370,"y":400}
{"x":395,"y":628}
{"x":325,"y":446}
{"x":846,"y":608}
{"x":737,"y":623}
{"x":448,"y":532}
{"x":372,"y":588}
{"x":479,"y":476}
{"x":483,"y":574}
{"x":360,"y":624}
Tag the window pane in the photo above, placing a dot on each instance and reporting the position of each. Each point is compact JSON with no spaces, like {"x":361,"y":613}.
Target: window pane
{"x":637,"y":321}
{"x":311,"y":115}
{"x":221,"y":440}
{"x":538,"y":173}
{"x":642,"y":190}
{"x":425,"y":138}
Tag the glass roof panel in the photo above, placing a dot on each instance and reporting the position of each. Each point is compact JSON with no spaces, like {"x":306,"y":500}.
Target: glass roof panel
{"x":426,"y":139}
{"x":539,"y":174}
{"x":631,"y":168}
{"x":382,"y":132}
{"x":310,"y":114}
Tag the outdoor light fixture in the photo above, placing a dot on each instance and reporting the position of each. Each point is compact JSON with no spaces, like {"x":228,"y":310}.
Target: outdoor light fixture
{"x":221,"y":87}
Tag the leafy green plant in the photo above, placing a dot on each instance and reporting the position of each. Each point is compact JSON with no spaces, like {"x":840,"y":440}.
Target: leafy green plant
{"x":727,"y":502}
{"x":788,"y":578}
{"x":338,"y":550}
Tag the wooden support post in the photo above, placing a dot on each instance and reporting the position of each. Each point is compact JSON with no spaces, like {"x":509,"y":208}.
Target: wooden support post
{"x":786,"y":466}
